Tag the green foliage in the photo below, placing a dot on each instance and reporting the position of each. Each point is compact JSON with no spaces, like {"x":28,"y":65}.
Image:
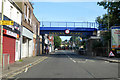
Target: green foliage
{"x":20,"y":60}
{"x":114,"y":14}
{"x":106,"y":37}
{"x":97,"y":44}
{"x":57,"y":41}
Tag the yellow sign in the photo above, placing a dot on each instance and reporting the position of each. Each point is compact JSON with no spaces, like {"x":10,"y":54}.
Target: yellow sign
{"x":5,"y":22}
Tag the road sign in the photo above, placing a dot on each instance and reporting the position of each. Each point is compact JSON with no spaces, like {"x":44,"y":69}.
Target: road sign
{"x":111,"y":53}
{"x":67,"y":31}
{"x":5,"y":22}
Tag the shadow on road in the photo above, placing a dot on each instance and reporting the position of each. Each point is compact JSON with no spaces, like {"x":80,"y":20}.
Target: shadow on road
{"x":66,"y":53}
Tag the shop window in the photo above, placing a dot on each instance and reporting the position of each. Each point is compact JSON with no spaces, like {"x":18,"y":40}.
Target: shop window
{"x":11,"y":10}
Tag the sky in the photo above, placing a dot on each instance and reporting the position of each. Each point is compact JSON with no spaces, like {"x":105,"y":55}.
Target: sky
{"x":67,"y":11}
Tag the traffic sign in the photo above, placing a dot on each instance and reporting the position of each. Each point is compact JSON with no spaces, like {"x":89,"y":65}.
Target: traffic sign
{"x":67,"y":31}
{"x":111,"y":53}
{"x":5,"y":22}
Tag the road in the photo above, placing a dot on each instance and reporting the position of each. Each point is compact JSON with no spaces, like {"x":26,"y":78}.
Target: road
{"x":66,"y":64}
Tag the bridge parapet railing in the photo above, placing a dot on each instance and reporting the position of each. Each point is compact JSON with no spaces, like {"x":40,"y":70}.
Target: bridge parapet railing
{"x":70,"y":24}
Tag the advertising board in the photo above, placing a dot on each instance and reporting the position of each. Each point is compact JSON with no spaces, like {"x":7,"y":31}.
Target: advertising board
{"x":115,"y":38}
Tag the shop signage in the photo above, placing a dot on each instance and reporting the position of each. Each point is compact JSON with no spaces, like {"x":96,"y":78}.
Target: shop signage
{"x":118,"y":51}
{"x":10,"y":33}
{"x":5,"y":22}
{"x":115,"y":41}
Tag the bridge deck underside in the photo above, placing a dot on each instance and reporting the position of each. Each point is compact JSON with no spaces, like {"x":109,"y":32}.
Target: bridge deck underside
{"x":60,"y":31}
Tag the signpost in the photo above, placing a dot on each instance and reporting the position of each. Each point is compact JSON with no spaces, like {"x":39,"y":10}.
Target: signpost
{"x":111,"y":54}
{"x":4,"y":22}
{"x":1,"y":41}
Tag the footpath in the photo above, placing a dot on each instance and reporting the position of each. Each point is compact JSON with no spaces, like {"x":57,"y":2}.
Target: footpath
{"x":114,"y":60}
{"x":22,"y":65}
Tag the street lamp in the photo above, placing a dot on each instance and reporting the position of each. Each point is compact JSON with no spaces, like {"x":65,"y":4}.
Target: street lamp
{"x":108,"y":16}
{"x":1,"y":51}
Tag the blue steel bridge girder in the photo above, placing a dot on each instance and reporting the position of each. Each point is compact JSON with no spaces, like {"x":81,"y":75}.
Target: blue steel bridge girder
{"x":60,"y":30}
{"x":69,"y":24}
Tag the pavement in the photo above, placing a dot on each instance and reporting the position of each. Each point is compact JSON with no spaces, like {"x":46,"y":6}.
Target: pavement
{"x":114,"y":60}
{"x":110,"y":59}
{"x":18,"y":66}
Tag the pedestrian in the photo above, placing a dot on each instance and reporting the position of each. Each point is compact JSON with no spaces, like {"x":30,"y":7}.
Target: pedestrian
{"x":47,"y":49}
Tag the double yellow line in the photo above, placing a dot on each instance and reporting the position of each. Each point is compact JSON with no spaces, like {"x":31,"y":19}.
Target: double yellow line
{"x":24,"y":67}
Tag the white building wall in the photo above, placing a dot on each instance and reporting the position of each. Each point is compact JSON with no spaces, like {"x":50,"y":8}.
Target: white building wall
{"x":0,"y":6}
{"x":25,"y":49}
{"x":31,"y":48}
{"x":12,"y":13}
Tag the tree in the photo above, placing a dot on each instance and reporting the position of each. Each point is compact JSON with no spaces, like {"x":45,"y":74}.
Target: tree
{"x":114,"y":14}
{"x":103,"y":21}
{"x":57,"y":41}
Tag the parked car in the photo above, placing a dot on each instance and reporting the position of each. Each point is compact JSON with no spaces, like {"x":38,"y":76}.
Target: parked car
{"x":82,"y":51}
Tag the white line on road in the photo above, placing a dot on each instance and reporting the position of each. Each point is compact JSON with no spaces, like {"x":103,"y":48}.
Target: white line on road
{"x":86,"y":60}
{"x":71,"y":59}
{"x":74,"y":61}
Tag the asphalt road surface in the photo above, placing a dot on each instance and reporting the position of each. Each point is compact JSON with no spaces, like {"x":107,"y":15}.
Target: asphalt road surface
{"x":66,"y":64}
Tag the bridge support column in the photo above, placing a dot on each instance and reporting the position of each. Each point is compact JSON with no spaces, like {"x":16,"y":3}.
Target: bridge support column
{"x":43,"y":43}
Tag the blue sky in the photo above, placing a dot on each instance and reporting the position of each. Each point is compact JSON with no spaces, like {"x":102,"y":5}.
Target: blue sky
{"x":67,"y":11}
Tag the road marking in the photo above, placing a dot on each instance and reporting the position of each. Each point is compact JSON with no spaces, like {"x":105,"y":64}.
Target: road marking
{"x":71,"y":59}
{"x":106,"y":61}
{"x":81,"y":62}
{"x":27,"y":67}
{"x":90,"y":61}
{"x":74,"y":61}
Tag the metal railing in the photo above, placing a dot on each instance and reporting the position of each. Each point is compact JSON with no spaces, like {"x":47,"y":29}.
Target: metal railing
{"x":5,"y":61}
{"x":69,"y":24}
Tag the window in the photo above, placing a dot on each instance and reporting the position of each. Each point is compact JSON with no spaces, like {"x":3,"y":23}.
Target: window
{"x":18,"y":16}
{"x":36,"y":28}
{"x":25,"y":11}
{"x":11,"y":8}
{"x":29,"y":13}
{"x":28,"y":21}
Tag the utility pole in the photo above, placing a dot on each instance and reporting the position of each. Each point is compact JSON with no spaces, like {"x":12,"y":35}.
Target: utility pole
{"x":1,"y":42}
{"x":108,"y":27}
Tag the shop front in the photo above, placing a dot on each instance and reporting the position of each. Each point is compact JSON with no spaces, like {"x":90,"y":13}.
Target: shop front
{"x":9,"y":44}
{"x":27,"y":43}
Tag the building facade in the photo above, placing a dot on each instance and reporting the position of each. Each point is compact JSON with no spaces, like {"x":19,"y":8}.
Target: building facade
{"x":11,"y":33}
{"x":27,"y":29}
{"x":36,"y":38}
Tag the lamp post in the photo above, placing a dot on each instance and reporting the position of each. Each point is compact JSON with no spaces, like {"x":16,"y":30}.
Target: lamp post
{"x":1,"y":42}
{"x":108,"y":16}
